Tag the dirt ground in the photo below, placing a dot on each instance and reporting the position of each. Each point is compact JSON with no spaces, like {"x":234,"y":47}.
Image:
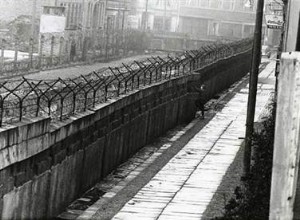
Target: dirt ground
{"x":75,"y":71}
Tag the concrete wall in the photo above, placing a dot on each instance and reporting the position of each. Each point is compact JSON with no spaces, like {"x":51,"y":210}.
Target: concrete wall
{"x":45,"y":166}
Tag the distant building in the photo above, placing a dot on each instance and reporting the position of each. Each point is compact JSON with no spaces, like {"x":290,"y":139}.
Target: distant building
{"x":88,"y":20}
{"x":200,"y":19}
{"x":117,"y":13}
{"x":84,"y":15}
{"x":227,"y":19}
{"x":156,"y":15}
{"x":52,"y":30}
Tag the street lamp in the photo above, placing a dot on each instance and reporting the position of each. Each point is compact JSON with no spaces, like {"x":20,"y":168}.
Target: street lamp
{"x":248,"y":4}
{"x":145,"y":21}
{"x":254,"y":71}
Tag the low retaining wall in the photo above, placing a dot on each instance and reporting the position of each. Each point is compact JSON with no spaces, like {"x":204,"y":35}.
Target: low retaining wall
{"x":46,"y":165}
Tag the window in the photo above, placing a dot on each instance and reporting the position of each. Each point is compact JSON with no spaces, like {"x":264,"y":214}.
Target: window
{"x":214,"y":29}
{"x":159,"y":22}
{"x":228,"y":4}
{"x":216,"y":4}
{"x":73,"y":14}
{"x":240,"y":5}
{"x":194,"y":3}
{"x":196,"y":28}
{"x":230,"y":30}
{"x":248,"y":30}
{"x":205,"y":3}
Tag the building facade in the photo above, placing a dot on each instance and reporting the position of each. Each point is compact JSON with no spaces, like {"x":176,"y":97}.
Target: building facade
{"x":85,"y":21}
{"x":155,"y":15}
{"x":217,"y":19}
{"x":199,"y":19}
{"x":88,"y":22}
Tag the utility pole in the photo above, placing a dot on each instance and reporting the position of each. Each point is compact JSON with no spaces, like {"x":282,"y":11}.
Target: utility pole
{"x":165,"y":15}
{"x":178,"y":15}
{"x":298,"y":36}
{"x":123,"y":15}
{"x":33,"y":18}
{"x":107,"y":37}
{"x":146,"y":17}
{"x":256,"y":57}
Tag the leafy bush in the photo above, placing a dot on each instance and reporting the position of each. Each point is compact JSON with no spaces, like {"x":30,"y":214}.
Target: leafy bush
{"x":252,"y":200}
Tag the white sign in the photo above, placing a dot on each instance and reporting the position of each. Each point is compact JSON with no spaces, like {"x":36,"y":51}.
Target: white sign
{"x":52,"y":24}
{"x":275,"y":6}
{"x":274,"y":21}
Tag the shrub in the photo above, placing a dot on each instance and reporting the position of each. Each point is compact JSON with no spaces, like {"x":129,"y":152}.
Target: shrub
{"x":252,"y":199}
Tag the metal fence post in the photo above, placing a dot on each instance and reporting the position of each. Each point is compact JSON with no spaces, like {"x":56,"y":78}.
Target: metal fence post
{"x":1,"y":110}
{"x":61,"y":44}
{"x":107,"y":37}
{"x":2,"y":54}
{"x":41,"y":51}
{"x":67,"y":52}
{"x":31,"y":53}
{"x":16,"y":53}
{"x":52,"y":50}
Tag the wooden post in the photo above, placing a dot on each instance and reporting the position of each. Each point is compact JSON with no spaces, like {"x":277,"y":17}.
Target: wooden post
{"x":287,"y":135}
{"x":2,"y":54}
{"x":254,"y":71}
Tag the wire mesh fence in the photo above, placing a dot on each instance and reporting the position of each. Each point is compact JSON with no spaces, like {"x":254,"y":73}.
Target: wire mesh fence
{"x":63,"y":97}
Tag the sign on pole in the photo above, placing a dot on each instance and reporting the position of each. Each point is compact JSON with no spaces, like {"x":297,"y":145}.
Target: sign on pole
{"x":274,"y":21}
{"x":274,"y":14}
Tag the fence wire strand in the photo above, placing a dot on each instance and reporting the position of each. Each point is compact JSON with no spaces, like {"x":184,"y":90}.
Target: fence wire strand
{"x":63,"y":97}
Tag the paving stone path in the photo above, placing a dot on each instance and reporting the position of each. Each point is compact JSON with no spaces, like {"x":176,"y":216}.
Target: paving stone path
{"x":184,"y":187}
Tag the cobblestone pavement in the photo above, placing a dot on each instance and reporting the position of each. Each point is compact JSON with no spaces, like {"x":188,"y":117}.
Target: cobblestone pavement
{"x":185,"y":186}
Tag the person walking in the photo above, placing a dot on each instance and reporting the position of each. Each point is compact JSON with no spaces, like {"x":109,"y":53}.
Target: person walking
{"x":200,"y":101}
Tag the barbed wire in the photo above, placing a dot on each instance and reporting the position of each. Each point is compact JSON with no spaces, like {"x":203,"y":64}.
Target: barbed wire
{"x":61,"y":98}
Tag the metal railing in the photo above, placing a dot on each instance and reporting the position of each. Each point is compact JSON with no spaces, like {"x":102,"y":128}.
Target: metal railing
{"x":63,"y":97}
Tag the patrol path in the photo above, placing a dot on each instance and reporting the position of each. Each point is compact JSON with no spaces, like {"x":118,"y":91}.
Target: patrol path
{"x":185,"y":186}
